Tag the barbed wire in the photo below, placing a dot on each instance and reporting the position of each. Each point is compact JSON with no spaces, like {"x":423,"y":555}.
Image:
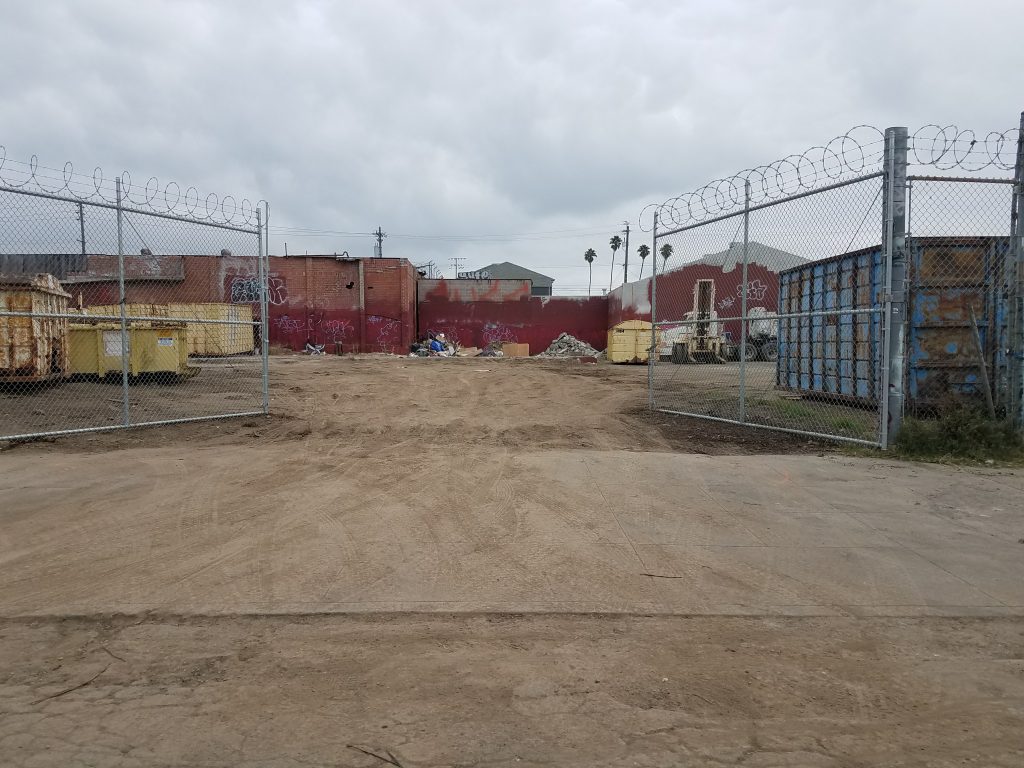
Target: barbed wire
{"x":164,"y":199}
{"x":950,"y":148}
{"x":858,"y":152}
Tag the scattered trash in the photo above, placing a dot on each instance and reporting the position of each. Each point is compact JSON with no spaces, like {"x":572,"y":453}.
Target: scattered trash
{"x":314,"y":349}
{"x":567,"y":345}
{"x":433,"y":346}
{"x":492,"y":350}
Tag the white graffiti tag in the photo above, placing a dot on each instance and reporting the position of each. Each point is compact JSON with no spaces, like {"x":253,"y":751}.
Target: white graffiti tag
{"x":756,"y":289}
{"x":495,"y":333}
{"x":338,"y":330}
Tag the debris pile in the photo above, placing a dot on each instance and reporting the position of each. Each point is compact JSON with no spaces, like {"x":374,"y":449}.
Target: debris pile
{"x":567,"y":345}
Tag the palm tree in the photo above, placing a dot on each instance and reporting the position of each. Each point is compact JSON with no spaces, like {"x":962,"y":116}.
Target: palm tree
{"x":643,"y":252}
{"x":666,"y":251}
{"x":589,"y":257}
{"x":615,"y":243}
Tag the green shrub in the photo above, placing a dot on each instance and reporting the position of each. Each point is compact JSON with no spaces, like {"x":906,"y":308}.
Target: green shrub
{"x":960,"y":432}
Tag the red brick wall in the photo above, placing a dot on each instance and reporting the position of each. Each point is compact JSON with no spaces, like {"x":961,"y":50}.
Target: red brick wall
{"x":160,"y":279}
{"x":317,"y":299}
{"x":476,"y":312}
{"x":312,"y":298}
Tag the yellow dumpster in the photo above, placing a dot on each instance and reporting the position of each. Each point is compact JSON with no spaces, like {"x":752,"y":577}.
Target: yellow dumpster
{"x":95,"y":350}
{"x":227,"y":328}
{"x":629,"y":341}
{"x":229,"y":333}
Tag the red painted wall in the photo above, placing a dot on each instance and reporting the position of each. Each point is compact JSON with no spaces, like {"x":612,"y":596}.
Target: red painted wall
{"x":477,"y":312}
{"x":676,"y":294}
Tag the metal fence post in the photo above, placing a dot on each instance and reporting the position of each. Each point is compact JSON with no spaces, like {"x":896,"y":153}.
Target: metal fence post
{"x":743,"y":302}
{"x":125,"y":357}
{"x":894,"y":237}
{"x":654,"y":314}
{"x":264,"y":304}
{"x":1016,"y":318}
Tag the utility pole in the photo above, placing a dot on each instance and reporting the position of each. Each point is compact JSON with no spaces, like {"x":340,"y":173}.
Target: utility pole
{"x":457,"y":262}
{"x":625,"y":268}
{"x":379,"y":250}
{"x":81,"y":225}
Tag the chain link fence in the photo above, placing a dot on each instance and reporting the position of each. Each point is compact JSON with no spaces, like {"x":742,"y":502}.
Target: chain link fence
{"x":829,"y":293}
{"x":124,"y":307}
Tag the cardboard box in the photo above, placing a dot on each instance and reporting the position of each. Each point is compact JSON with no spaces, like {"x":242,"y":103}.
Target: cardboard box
{"x":515,"y":350}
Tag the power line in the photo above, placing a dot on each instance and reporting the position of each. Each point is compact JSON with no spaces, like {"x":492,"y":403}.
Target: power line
{"x":495,"y":238}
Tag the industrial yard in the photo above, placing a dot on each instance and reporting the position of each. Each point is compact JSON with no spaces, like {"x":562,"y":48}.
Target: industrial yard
{"x":423,"y":562}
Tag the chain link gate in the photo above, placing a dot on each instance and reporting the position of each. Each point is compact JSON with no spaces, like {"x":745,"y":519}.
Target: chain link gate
{"x":124,"y":307}
{"x":829,"y":293}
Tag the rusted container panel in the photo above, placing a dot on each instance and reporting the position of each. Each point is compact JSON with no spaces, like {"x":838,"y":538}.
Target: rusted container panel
{"x":33,"y":348}
{"x":841,"y":355}
{"x":948,"y":277}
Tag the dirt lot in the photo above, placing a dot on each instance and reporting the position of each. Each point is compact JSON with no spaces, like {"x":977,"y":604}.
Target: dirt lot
{"x":469,"y":562}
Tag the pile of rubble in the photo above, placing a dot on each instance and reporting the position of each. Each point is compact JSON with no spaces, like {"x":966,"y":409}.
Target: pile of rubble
{"x":569,"y":346}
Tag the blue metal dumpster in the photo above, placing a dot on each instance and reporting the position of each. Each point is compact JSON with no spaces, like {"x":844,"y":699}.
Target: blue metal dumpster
{"x":840,"y":355}
{"x":832,"y":354}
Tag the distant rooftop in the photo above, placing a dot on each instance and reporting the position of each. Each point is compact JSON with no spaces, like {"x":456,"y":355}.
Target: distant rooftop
{"x":757,"y":253}
{"x":506,"y":270}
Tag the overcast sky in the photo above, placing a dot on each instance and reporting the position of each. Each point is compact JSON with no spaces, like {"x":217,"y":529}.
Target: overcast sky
{"x":456,"y":119}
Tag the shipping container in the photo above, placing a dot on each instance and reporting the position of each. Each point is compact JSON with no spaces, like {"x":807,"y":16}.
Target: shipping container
{"x":95,"y":349}
{"x":840,"y":356}
{"x":33,"y":348}
{"x":229,"y":333}
{"x":629,"y":342}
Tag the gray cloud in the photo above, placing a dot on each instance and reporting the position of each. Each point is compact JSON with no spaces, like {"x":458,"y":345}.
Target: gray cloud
{"x":471,"y":118}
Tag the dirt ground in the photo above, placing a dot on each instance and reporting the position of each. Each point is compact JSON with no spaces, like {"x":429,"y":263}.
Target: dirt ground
{"x":502,"y":562}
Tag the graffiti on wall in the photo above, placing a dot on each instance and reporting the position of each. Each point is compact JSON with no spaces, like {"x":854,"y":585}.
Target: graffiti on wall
{"x":386,"y":327}
{"x":726,"y":303}
{"x":338,"y":330}
{"x":245,"y":289}
{"x":335,"y":330}
{"x":756,"y":289}
{"x":497,"y":333}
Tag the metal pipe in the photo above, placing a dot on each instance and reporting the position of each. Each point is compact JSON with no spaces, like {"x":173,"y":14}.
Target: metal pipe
{"x":625,"y":266}
{"x":982,"y":365}
{"x":894,"y":233}
{"x":125,"y":357}
{"x":1016,"y":410}
{"x":653,"y":354}
{"x":81,"y":226}
{"x":264,"y":308}
{"x":961,"y":179}
{"x":362,"y":306}
{"x":743,"y":302}
{"x":785,"y":316}
{"x":780,"y":201}
{"x":112,"y":427}
{"x":821,"y":435}
{"x":148,"y":318}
